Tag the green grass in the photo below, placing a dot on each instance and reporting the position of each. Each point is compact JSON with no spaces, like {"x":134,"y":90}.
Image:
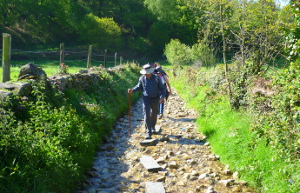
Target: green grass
{"x":229,"y":133}
{"x":51,"y":67}
{"x":230,"y":137}
{"x":48,"y":141}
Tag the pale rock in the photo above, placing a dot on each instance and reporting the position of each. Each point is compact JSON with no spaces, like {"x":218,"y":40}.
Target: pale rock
{"x":236,"y":189}
{"x":210,"y":190}
{"x":173,"y":165}
{"x":212,"y":157}
{"x":170,"y":153}
{"x":214,"y":174}
{"x":225,"y":182}
{"x":227,"y":172}
{"x":161,"y":179}
{"x":164,"y":166}
{"x":186,"y":176}
{"x":181,"y":183}
{"x":203,"y":176}
{"x":235,"y":175}
{"x":161,"y":160}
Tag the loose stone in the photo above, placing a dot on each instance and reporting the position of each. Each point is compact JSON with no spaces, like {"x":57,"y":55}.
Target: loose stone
{"x":177,"y":160}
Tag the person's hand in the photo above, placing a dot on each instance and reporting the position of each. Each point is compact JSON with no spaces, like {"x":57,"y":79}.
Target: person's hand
{"x":162,"y":100}
{"x":130,"y":91}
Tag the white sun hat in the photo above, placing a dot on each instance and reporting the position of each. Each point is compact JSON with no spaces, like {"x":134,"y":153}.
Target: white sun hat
{"x":147,"y":69}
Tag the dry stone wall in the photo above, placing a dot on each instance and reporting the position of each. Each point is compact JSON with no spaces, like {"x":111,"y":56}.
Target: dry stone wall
{"x":82,"y":80}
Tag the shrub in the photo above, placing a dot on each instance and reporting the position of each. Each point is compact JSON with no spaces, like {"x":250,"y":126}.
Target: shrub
{"x":203,"y":55}
{"x":50,"y":148}
{"x":103,"y":32}
{"x":262,"y":145}
{"x":178,"y":53}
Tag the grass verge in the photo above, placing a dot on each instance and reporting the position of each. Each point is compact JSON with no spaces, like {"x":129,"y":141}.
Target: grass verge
{"x":230,"y":135}
{"x":48,"y":140}
{"x":51,"y":67}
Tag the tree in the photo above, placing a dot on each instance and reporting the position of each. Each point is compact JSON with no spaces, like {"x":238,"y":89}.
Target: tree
{"x":176,"y":17}
{"x":293,"y":34}
{"x":102,"y":32}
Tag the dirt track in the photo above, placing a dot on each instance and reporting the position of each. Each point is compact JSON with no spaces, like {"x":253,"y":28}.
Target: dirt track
{"x":183,"y":153}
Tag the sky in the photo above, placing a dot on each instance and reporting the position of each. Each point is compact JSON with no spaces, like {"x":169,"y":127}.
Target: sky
{"x":283,"y":2}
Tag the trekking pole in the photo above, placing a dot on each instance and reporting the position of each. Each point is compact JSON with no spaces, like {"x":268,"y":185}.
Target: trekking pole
{"x":130,"y":113}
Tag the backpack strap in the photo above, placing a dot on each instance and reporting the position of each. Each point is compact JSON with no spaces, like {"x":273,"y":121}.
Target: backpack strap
{"x":156,"y":78}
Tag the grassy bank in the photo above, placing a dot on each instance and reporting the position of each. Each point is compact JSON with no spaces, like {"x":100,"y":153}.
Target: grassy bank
{"x":48,"y":140}
{"x":51,"y":67}
{"x":230,"y":133}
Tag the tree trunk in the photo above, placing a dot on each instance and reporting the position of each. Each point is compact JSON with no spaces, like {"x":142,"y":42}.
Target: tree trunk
{"x":224,"y":53}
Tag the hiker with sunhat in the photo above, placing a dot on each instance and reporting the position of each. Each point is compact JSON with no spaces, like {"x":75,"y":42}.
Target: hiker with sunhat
{"x":165,"y":81}
{"x":153,"y":94}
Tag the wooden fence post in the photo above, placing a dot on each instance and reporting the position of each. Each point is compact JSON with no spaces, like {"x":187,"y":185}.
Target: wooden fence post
{"x":6,"y":53}
{"x":115,"y":59}
{"x":121,"y":60}
{"x":105,"y":57}
{"x":62,"y":53}
{"x":88,"y":65}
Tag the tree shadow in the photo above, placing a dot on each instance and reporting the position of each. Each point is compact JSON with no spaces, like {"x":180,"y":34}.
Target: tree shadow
{"x":181,"y":119}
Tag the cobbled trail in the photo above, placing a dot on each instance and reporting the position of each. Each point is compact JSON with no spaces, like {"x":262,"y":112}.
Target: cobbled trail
{"x":187,"y":163}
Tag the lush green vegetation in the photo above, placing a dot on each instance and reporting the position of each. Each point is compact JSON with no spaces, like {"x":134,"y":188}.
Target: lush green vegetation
{"x":259,"y":145}
{"x":249,"y":107}
{"x":250,"y":101}
{"x":48,"y":140}
{"x":122,"y":25}
{"x":51,"y":67}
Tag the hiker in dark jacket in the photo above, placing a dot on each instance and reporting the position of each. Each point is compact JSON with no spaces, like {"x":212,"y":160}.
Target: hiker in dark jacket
{"x":165,"y":80}
{"x":153,"y":94}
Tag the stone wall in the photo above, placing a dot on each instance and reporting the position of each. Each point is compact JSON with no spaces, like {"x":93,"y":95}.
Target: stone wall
{"x":81,"y":80}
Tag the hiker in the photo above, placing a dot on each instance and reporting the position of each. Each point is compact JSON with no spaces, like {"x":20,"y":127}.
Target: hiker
{"x":153,"y":94}
{"x":165,"y":80}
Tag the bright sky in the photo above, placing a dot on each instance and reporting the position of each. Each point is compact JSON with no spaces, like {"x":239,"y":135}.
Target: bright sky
{"x":283,"y":2}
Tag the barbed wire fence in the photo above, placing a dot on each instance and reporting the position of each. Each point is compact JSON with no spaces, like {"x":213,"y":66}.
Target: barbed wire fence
{"x":68,"y":56}
{"x":74,"y":56}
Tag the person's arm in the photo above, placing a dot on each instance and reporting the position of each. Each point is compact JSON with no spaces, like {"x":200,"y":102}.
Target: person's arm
{"x":138,"y":87}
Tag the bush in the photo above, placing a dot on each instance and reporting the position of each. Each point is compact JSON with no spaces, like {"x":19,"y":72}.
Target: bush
{"x":102,"y":32}
{"x":200,"y":54}
{"x":48,"y":141}
{"x":178,"y":53}
{"x":203,"y":55}
{"x":262,"y":146}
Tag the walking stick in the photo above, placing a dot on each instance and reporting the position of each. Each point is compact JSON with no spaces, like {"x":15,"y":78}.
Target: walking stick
{"x":130,"y":113}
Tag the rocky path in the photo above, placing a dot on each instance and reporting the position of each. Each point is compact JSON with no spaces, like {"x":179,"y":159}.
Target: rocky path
{"x":186,"y":164}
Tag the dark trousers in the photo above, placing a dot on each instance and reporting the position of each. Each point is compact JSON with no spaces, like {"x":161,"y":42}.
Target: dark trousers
{"x":150,"y":108}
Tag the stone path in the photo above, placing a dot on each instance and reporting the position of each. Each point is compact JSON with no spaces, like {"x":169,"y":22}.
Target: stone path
{"x":184,"y":159}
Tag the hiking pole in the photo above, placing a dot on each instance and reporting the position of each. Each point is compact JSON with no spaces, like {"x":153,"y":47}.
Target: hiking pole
{"x":129,"y":113}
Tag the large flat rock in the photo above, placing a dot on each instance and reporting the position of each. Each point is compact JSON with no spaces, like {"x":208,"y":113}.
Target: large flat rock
{"x":148,"y":142}
{"x":150,"y":164}
{"x":154,"y":187}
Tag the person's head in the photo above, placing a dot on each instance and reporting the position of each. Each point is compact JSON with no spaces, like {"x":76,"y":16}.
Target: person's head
{"x":147,"y":69}
{"x":158,"y":70}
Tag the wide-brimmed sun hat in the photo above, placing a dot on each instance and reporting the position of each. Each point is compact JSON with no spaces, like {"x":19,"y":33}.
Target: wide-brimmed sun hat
{"x":147,"y":69}
{"x":158,"y":70}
